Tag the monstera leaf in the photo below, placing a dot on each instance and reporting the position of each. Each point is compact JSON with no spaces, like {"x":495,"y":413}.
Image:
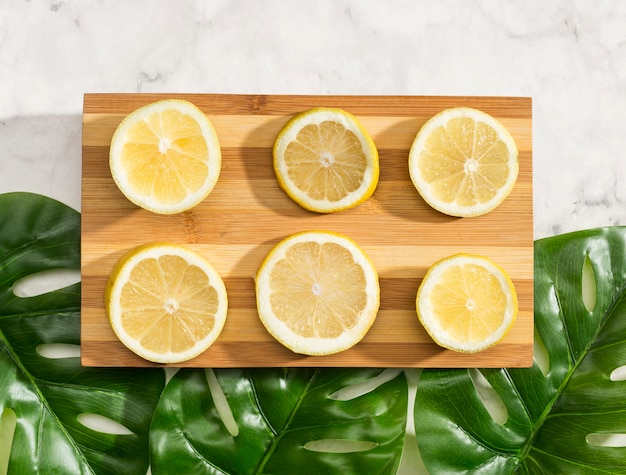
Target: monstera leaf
{"x":280,"y":421}
{"x":46,"y":403}
{"x":566,"y":414}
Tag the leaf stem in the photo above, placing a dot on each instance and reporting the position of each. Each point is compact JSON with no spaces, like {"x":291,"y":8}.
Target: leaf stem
{"x":575,"y":363}
{"x":279,"y":435}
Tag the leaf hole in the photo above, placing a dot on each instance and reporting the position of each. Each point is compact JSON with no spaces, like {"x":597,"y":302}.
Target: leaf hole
{"x":618,"y":374}
{"x":359,"y":389}
{"x":8,"y":422}
{"x":410,"y":459}
{"x":491,"y":400}
{"x":102,"y":424}
{"x":540,"y":354}
{"x":221,"y":403}
{"x":45,"y":281}
{"x":606,"y":440}
{"x":588,"y":285}
{"x":56,"y":351}
{"x":339,"y":446}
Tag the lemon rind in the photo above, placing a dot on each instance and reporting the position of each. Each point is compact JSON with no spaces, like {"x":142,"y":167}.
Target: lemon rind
{"x":315,"y":346}
{"x":315,"y":116}
{"x":214,"y":160}
{"x":119,"y":276}
{"x":423,"y":187}
{"x":429,"y":323}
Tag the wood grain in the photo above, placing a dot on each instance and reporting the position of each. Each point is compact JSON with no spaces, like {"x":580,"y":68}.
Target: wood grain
{"x":247,"y":214}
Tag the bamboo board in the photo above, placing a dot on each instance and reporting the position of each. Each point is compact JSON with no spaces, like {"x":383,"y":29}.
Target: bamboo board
{"x":247,"y":214}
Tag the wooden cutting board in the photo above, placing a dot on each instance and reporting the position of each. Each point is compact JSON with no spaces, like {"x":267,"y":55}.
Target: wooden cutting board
{"x":247,"y":214}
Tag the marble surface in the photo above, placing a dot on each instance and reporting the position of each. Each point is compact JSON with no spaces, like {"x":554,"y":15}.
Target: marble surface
{"x":569,"y":56}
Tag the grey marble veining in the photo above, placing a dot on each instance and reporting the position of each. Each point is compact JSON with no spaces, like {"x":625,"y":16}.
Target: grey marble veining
{"x":569,"y":56}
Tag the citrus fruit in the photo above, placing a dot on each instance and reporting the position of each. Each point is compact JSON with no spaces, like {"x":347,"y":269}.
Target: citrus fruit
{"x":317,"y":293}
{"x":165,"y":157}
{"x":325,"y":160}
{"x":463,"y":162}
{"x":466,"y":303}
{"x":165,"y":302}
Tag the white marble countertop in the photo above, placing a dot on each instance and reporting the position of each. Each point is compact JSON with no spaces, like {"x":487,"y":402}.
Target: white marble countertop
{"x":569,"y":56}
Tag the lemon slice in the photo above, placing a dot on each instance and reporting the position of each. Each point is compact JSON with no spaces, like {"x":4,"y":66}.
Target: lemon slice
{"x":463,"y":162}
{"x":165,"y":157}
{"x":325,"y":160}
{"x":466,"y":303}
{"x":317,"y":293}
{"x":165,"y":302}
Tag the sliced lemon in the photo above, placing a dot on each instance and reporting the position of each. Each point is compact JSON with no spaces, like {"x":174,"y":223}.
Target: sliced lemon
{"x":325,"y":160}
{"x":463,"y":162}
{"x":165,"y":157}
{"x":317,"y":293}
{"x":466,"y":303}
{"x":165,"y":302}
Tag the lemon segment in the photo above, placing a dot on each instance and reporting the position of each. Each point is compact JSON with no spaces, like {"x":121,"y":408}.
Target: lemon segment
{"x":463,"y":162}
{"x":165,"y":157}
{"x":165,"y":302}
{"x":466,"y":303}
{"x":325,"y":160}
{"x":317,"y":293}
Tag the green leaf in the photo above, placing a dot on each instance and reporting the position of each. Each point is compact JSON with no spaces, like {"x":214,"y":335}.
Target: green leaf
{"x":43,"y":400}
{"x":284,"y":421}
{"x":558,"y":411}
{"x":566,"y":414}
